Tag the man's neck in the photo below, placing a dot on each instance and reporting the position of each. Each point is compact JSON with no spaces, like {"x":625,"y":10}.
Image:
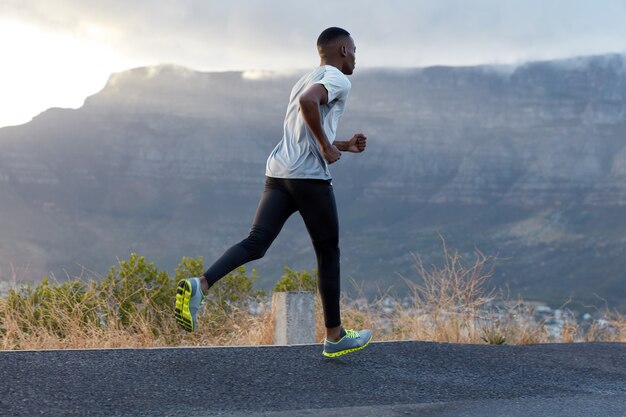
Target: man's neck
{"x":331,"y":63}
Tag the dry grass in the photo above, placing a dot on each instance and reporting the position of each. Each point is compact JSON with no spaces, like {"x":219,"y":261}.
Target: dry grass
{"x":447,"y":303}
{"x":24,"y":329}
{"x":450,"y":303}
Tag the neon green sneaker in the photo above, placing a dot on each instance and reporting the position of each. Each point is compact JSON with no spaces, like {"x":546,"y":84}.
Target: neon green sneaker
{"x":189,"y":298}
{"x":352,"y":341}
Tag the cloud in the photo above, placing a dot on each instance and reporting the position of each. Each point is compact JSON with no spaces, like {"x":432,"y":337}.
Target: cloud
{"x":261,"y":35}
{"x":268,"y":34}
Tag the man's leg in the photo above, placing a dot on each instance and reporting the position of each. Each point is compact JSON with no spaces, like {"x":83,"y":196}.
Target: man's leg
{"x":316,"y":203}
{"x":274,"y":209}
{"x":327,"y":253}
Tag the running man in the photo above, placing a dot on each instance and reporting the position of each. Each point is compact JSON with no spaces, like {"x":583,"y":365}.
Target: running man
{"x":298,"y":179}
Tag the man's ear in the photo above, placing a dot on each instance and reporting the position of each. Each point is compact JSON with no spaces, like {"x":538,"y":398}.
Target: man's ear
{"x":343,"y":50}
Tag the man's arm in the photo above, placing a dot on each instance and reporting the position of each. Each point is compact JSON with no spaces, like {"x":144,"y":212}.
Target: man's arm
{"x":310,"y":102}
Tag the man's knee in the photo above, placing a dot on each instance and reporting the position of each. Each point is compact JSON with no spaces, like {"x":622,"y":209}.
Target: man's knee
{"x":257,"y":243}
{"x":327,"y":247}
{"x":257,"y":252}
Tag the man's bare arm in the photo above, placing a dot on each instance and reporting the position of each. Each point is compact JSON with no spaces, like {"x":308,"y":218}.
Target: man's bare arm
{"x":310,"y":102}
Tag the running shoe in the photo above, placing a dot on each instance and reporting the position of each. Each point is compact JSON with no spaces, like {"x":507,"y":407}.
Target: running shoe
{"x":189,"y":298}
{"x":352,"y":341}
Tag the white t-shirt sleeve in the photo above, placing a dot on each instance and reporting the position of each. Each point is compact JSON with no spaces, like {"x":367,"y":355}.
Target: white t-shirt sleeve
{"x":336,"y":83}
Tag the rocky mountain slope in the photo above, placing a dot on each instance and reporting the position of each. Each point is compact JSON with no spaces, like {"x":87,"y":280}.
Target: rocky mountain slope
{"x":527,"y":163}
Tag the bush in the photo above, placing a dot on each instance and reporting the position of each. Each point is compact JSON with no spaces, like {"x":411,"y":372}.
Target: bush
{"x":297,"y":281}
{"x":137,"y":289}
{"x":227,"y":304}
{"x":50,"y":306}
{"x":132,"y":305}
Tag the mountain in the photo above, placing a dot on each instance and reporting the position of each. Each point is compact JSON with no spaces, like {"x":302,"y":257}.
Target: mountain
{"x":527,"y":163}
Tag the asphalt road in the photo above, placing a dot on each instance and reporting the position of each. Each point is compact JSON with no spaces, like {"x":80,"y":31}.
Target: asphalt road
{"x":386,"y":379}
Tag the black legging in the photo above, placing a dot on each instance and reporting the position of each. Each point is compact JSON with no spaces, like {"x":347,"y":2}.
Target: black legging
{"x":315,"y":201}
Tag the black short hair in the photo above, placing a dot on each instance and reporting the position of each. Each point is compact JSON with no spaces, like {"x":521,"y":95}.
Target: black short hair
{"x":330,"y":35}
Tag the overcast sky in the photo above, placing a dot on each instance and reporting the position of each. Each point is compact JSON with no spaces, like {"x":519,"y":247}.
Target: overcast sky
{"x":57,"y":52}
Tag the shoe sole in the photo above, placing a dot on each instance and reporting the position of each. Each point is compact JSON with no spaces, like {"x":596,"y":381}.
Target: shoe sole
{"x":344,"y":352}
{"x":181,"y":310}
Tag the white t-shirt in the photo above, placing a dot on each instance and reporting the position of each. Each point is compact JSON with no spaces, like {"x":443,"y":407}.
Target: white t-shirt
{"x":298,"y":154}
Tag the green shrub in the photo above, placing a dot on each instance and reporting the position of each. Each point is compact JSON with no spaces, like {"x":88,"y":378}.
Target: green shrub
{"x":188,"y":267}
{"x":52,"y":306}
{"x":234,"y":291}
{"x":297,"y":281}
{"x":137,"y":288}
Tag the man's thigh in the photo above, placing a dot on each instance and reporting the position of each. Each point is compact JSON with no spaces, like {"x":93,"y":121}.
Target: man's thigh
{"x":275,"y":207}
{"x":315,"y":200}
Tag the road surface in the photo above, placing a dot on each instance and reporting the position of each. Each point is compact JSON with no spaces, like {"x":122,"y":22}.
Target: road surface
{"x":385,"y":379}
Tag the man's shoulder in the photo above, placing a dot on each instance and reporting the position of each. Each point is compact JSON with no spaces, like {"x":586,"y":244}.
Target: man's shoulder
{"x":333,"y":78}
{"x":325,"y":71}
{"x":335,"y":72}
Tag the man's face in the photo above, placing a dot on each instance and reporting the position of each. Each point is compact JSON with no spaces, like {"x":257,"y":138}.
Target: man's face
{"x":350,"y":56}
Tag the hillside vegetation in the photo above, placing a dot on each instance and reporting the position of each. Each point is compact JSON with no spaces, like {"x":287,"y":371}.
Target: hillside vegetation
{"x":133,"y":307}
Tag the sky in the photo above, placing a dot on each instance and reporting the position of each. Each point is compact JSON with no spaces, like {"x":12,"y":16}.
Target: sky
{"x":55,"y":53}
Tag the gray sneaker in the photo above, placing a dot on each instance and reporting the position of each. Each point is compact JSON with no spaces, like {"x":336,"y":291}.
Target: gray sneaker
{"x":189,"y":298}
{"x":351,"y":342}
